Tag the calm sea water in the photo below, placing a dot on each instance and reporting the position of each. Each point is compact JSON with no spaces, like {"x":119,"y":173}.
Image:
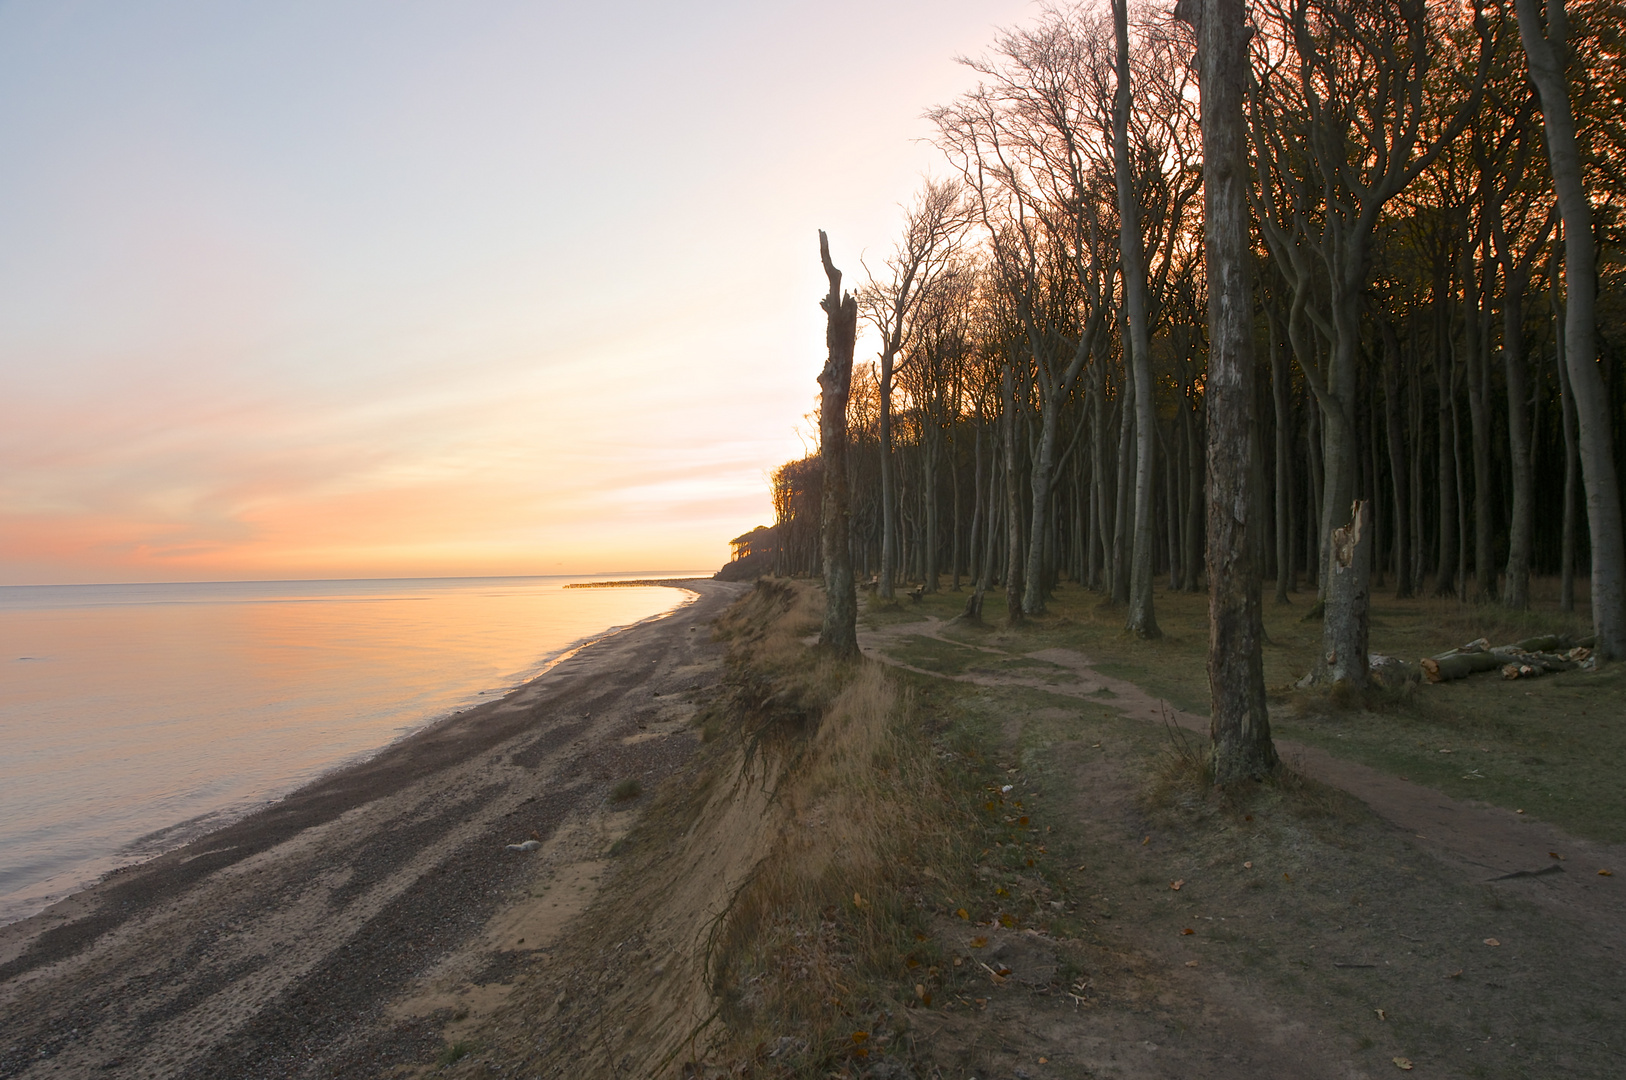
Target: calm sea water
{"x":136,"y":717}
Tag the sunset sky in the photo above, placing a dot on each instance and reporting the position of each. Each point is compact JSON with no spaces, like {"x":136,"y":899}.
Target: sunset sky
{"x":349,"y":288}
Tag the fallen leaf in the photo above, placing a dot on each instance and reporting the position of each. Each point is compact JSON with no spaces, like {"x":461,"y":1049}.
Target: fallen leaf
{"x":1247,"y":817}
{"x":978,"y":942}
{"x":1492,"y":941}
{"x":858,"y":901}
{"x":1555,"y":855}
{"x":920,"y":990}
{"x":1079,"y":870}
{"x":1175,"y":885}
{"x":1402,"y":1063}
{"x":1030,"y":862}
{"x":1247,"y":866}
{"x":1606,"y":873}
{"x":1381,"y":1014}
{"x":1146,"y":841}
{"x":1457,"y":974}
{"x":1191,"y":963}
{"x":860,"y":1036}
{"x":1287,"y":877}
{"x":956,"y":961}
{"x":963,"y":913}
{"x":919,"y":936}
{"x":861,"y":1052}
{"x":1022,"y":821}
{"x":1518,"y":811}
{"x":1044,"y":1061}
{"x":1188,"y":930}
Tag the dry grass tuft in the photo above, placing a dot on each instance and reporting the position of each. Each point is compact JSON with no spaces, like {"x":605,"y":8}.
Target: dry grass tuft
{"x":831,"y":913}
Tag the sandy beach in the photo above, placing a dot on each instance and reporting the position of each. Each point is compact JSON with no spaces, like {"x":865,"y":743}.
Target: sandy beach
{"x":311,"y":938}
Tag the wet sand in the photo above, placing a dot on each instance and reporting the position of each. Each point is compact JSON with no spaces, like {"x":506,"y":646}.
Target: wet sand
{"x":282,"y":945}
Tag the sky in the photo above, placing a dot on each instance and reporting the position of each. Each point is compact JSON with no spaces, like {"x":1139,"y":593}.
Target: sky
{"x":371,"y":289}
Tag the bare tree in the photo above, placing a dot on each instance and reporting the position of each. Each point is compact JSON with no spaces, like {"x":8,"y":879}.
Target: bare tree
{"x":840,"y":631}
{"x":930,"y":240}
{"x":1138,"y":342}
{"x":1546,"y":48}
{"x":1240,"y":723}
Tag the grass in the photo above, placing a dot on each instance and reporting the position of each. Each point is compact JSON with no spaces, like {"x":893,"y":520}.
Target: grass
{"x":626,"y":790}
{"x":1550,"y":746}
{"x":455,"y":1052}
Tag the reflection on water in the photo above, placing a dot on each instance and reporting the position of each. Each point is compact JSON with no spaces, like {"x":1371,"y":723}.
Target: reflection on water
{"x":133,"y":717}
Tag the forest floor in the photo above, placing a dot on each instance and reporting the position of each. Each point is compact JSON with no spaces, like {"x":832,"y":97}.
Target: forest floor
{"x":1424,"y":890}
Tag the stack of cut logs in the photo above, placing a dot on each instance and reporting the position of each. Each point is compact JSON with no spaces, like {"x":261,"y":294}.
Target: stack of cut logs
{"x":1521,"y":660}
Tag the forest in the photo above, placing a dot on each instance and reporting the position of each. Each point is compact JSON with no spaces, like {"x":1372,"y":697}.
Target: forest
{"x":1034,"y":409}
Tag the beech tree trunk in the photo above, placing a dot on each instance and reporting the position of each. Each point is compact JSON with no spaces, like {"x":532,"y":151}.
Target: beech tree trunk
{"x":1013,"y":500}
{"x":1137,"y":343}
{"x":1547,"y":51}
{"x":1284,"y":460}
{"x":839,"y":633}
{"x":889,"y":494}
{"x":1398,"y":464}
{"x":1239,"y":724}
{"x":1344,"y":627}
{"x":1516,"y":592}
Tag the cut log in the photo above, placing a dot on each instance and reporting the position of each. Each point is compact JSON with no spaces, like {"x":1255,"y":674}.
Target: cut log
{"x":1458,"y":665}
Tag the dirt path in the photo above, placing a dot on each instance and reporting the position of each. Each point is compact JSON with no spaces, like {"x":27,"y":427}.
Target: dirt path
{"x":1303,"y":941}
{"x":321,"y":935}
{"x":1486,"y":843}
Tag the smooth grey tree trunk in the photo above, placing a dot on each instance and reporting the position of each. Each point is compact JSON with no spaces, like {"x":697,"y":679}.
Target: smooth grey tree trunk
{"x":1572,"y":473}
{"x":1474,"y":351}
{"x":1239,"y":721}
{"x":1121,"y":533}
{"x":1398,"y":465}
{"x":1284,"y":459}
{"x":1142,"y":619}
{"x":1547,"y":51}
{"x":889,"y":496}
{"x":1445,"y":583}
{"x":1516,"y":592}
{"x":1013,"y":500}
{"x":839,"y":633}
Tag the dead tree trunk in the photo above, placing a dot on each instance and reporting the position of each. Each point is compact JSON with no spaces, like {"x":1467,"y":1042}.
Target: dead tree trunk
{"x":1240,"y":724}
{"x":1344,"y":629}
{"x":840,"y":631}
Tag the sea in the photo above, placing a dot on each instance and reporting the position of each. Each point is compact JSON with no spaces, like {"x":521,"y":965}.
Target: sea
{"x":135,"y":718}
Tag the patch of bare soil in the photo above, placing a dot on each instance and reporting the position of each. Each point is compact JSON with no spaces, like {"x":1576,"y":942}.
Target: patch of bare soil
{"x":339,"y":931}
{"x":1351,"y":924}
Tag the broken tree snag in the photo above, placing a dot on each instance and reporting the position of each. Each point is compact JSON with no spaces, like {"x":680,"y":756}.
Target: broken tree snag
{"x":840,"y":631}
{"x":1344,"y":626}
{"x":1239,"y":722}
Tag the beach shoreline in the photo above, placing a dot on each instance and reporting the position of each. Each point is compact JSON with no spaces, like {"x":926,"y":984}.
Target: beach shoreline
{"x":276,"y":944}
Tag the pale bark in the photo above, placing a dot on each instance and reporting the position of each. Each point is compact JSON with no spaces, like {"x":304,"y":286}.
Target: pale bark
{"x":1284,"y":459}
{"x":1013,"y":499}
{"x":1137,"y":343}
{"x":1546,"y":49}
{"x":1398,"y":465}
{"x":1343,"y":656}
{"x":1240,"y":722}
{"x":839,"y":633}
